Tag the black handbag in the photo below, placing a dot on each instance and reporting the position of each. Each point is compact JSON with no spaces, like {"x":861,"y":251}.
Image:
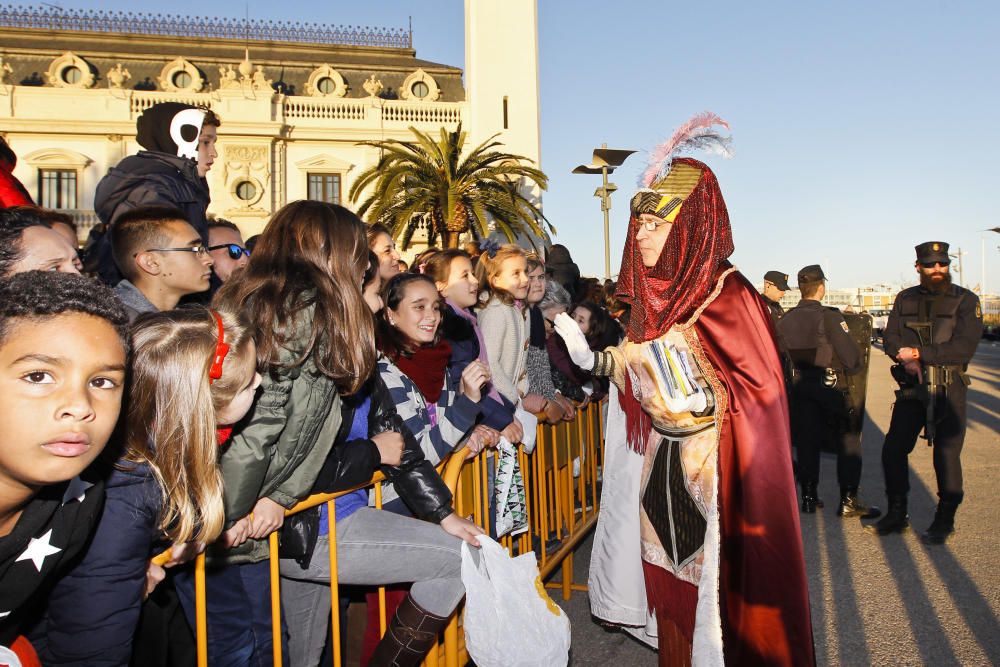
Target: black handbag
{"x":298,"y":536}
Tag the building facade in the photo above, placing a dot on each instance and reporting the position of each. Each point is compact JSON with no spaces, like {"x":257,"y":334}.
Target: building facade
{"x":296,"y":100}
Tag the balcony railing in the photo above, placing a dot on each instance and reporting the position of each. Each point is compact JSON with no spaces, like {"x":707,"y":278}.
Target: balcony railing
{"x":139,"y":23}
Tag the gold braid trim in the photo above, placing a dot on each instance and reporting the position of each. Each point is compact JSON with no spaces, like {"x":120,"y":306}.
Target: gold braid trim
{"x":708,"y":372}
{"x":610,"y":363}
{"x":707,"y":302}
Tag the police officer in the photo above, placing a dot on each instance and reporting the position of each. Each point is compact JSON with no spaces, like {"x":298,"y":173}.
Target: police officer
{"x":931,"y":364}
{"x":775,"y":286}
{"x":822,"y":353}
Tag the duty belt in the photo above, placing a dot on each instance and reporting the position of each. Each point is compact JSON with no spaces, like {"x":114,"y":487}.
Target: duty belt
{"x":830,"y":377}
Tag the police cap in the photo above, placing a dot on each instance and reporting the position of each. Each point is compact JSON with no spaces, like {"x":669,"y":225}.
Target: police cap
{"x":779,"y":279}
{"x":811,"y":274}
{"x":933,"y":251}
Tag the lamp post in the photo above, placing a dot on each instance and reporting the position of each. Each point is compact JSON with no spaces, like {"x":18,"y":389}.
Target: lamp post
{"x":961,"y":271}
{"x":604,"y":162}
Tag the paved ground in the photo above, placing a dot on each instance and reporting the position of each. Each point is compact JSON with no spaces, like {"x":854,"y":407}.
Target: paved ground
{"x":884,"y":601}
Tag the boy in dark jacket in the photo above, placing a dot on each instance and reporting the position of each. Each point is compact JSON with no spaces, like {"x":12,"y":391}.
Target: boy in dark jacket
{"x":62,"y":369}
{"x":180,"y":149}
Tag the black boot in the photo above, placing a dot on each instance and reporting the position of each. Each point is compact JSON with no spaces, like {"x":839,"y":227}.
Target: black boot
{"x":943,"y":524}
{"x":409,"y":637}
{"x":895,"y":520}
{"x":852,"y":506}
{"x":810,"y":500}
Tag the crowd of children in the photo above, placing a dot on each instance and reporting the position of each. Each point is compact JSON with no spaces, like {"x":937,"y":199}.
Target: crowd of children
{"x":210,"y":387}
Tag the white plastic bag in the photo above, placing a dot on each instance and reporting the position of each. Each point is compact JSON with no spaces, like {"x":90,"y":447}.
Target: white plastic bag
{"x":510,"y":621}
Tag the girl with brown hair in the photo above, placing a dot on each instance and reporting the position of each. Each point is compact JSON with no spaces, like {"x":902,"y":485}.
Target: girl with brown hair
{"x":192,"y":371}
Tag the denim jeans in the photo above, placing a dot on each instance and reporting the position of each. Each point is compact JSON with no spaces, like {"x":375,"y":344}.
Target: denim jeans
{"x":374,"y":547}
{"x":239,"y":613}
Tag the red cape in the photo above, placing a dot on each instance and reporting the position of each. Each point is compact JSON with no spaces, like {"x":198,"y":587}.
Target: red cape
{"x":763,"y":592}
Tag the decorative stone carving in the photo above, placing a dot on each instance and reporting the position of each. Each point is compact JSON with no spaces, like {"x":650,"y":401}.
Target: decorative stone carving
{"x":260,"y":82}
{"x":70,"y":71}
{"x":5,"y":70}
{"x":118,"y":76}
{"x":420,"y":87}
{"x":179,"y":75}
{"x":227,"y":78}
{"x":246,"y":163}
{"x":373,"y":86}
{"x":324,"y":81}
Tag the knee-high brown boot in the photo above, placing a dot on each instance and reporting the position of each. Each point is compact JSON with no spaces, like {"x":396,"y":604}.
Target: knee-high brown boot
{"x":409,"y":637}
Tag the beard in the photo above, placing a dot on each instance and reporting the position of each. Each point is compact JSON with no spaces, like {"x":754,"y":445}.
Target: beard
{"x":935,"y":283}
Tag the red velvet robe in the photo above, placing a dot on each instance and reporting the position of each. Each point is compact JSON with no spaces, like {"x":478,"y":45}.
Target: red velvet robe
{"x":764,"y":593}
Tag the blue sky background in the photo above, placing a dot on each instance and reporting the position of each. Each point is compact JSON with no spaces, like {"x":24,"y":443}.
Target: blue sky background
{"x":860,"y":128}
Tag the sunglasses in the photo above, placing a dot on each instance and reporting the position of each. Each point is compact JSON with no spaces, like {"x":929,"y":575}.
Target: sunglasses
{"x":931,"y":265}
{"x":235,"y":250}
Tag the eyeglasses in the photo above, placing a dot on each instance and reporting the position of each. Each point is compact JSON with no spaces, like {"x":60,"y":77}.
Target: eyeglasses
{"x":931,"y":265}
{"x":235,"y":250}
{"x":199,"y":250}
{"x":652,"y":225}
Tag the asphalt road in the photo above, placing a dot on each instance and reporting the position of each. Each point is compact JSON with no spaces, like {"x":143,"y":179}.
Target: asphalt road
{"x":890,"y":600}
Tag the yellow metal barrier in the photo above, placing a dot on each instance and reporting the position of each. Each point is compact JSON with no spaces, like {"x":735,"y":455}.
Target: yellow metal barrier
{"x":554,"y":497}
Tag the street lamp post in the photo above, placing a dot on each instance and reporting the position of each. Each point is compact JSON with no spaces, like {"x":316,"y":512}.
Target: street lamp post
{"x":604,"y":162}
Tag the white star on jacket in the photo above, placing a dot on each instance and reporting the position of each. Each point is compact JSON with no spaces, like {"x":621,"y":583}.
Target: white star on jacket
{"x":38,"y":550}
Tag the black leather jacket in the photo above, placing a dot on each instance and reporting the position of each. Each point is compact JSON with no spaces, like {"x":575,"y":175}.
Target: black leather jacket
{"x":354,"y":462}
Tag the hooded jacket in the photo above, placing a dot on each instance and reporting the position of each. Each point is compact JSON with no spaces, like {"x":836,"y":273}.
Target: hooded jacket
{"x":158,"y":176}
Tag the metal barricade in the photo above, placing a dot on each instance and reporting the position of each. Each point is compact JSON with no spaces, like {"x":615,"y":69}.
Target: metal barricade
{"x":561,"y":506}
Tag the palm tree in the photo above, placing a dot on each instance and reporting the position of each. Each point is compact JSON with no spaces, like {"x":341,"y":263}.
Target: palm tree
{"x":430,"y":181}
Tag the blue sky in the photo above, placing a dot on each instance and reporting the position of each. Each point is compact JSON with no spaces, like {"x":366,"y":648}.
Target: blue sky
{"x":860,"y":128}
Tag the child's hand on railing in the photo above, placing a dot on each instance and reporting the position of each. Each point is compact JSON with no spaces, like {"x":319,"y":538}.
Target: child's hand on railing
{"x":237,"y":534}
{"x":481,"y":437}
{"x":267,"y":517}
{"x":514,"y":432}
{"x":461,"y":528}
{"x":154,"y":575}
{"x":390,"y":447}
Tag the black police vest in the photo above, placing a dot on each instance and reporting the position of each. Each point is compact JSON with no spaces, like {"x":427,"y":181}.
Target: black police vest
{"x":939,"y":309}
{"x":804,"y":334}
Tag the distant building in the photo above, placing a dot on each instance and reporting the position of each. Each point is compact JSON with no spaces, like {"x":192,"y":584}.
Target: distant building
{"x":295,"y":99}
{"x":870,"y":298}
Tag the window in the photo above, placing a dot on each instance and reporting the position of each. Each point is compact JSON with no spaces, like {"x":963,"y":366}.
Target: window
{"x":246,"y":191}
{"x":324,"y":187}
{"x":326,"y":85}
{"x":182,"y":79}
{"x":57,"y":188}
{"x":72,"y":75}
{"x":420,"y":90}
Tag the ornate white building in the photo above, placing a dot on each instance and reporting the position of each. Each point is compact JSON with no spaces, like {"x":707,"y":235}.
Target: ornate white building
{"x":295,"y":99}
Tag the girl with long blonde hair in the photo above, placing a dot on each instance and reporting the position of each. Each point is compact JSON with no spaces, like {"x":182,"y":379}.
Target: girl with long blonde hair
{"x":192,"y":371}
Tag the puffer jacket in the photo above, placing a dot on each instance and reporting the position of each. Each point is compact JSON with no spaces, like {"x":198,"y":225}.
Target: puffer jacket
{"x":278,"y":450}
{"x":147,"y":178}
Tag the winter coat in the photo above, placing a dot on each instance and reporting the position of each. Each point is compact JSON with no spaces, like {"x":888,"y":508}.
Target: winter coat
{"x":12,"y":192}
{"x":464,"y":350}
{"x":456,"y":415}
{"x":505,"y":332}
{"x":354,"y":462}
{"x":147,"y":179}
{"x":277,"y":451}
{"x":53,"y":528}
{"x":92,"y":612}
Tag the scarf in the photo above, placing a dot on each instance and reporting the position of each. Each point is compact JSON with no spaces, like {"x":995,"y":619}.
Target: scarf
{"x":426,"y":367}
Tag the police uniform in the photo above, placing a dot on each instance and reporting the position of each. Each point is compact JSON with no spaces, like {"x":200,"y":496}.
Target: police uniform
{"x":780,"y":281}
{"x":822,"y":353}
{"x":943,"y":353}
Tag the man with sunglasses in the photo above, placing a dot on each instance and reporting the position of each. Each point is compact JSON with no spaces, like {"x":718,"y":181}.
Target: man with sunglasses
{"x":162,"y":258}
{"x":226,"y":246}
{"x":939,"y":352}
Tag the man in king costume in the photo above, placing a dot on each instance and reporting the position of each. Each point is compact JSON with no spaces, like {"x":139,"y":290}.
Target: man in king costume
{"x":698,"y":547}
